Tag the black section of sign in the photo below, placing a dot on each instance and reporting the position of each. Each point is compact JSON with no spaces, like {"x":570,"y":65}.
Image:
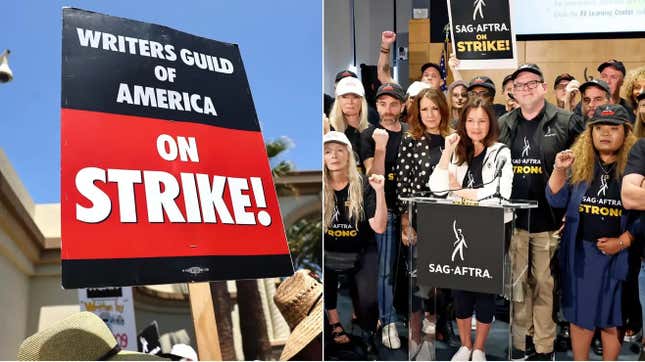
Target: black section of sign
{"x":91,"y":77}
{"x":105,"y":293}
{"x":144,"y":271}
{"x":150,"y":335}
{"x":467,"y":17}
{"x":439,"y":236}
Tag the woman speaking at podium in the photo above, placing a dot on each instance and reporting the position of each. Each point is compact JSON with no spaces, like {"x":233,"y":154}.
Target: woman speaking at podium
{"x":593,"y":256}
{"x":470,"y":164}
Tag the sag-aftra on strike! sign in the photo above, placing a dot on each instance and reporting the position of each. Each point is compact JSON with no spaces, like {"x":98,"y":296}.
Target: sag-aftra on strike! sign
{"x":165,"y":177}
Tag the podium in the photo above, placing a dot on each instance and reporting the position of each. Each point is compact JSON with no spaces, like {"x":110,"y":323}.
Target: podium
{"x":460,"y":245}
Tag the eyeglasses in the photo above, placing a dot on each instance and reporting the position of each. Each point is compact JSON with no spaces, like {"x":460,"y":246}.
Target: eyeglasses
{"x":528,"y":85}
{"x":587,"y":100}
{"x":483,"y":93}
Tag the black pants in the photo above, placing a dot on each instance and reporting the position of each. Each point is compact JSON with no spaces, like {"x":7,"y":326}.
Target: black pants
{"x":483,"y":304}
{"x":362,"y":288}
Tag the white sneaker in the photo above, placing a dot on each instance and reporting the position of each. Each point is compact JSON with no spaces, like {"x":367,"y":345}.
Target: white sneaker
{"x":463,"y":354}
{"x":390,"y":337}
{"x":428,"y":327}
{"x":478,"y":355}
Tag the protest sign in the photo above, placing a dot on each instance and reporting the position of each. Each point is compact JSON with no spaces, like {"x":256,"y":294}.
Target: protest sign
{"x":116,"y":308}
{"x":482,"y":34}
{"x":164,"y":172}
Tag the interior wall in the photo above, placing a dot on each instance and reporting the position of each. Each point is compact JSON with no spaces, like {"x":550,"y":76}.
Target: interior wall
{"x":371,"y":19}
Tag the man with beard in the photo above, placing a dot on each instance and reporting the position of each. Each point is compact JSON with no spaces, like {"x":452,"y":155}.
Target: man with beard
{"x":534,"y":132}
{"x":379,"y":153}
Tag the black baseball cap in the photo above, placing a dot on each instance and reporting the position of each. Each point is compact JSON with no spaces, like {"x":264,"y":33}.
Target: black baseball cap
{"x":610,"y":114}
{"x":343,"y":74}
{"x":508,"y":78}
{"x":528,"y":67}
{"x":561,"y":77}
{"x":391,"y":89}
{"x":482,"y":81}
{"x":428,"y":65}
{"x":613,"y":63}
{"x":594,"y":83}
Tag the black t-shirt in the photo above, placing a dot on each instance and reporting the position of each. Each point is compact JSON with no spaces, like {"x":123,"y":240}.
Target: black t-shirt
{"x":636,"y":165}
{"x":473,"y":178}
{"x":601,"y":208}
{"x":391,"y":156}
{"x":343,"y":235}
{"x":529,"y":181}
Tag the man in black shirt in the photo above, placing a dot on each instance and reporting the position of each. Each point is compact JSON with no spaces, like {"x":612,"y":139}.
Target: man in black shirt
{"x":484,"y":88}
{"x":379,"y":152}
{"x":535,"y":132}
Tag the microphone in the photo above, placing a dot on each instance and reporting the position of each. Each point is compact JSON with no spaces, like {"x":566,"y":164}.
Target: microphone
{"x":501,"y":161}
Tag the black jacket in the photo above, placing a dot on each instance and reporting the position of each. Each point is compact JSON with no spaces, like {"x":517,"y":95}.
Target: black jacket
{"x":557,"y":130}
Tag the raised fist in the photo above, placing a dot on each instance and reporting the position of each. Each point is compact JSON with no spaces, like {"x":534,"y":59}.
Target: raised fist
{"x":388,"y":37}
{"x":380,"y":137}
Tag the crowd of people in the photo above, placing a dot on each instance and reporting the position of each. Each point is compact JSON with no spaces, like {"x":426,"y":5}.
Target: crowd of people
{"x":576,"y":258}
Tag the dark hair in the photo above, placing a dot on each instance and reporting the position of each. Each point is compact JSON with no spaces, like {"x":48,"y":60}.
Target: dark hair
{"x":465,"y":148}
{"x":417,"y":129}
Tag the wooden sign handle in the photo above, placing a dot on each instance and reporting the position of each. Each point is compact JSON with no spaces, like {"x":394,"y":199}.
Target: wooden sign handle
{"x":201,"y":306}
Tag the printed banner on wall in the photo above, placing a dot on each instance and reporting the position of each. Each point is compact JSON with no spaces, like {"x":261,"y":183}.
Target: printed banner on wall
{"x":116,"y":308}
{"x":482,"y":34}
{"x":165,"y":176}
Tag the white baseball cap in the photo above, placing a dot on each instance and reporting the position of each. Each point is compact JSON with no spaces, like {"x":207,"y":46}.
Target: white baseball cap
{"x":335,"y":136}
{"x":350,"y":85}
{"x":416,"y":87}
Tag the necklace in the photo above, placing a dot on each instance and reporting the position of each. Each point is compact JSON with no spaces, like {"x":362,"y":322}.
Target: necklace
{"x":606,"y":171}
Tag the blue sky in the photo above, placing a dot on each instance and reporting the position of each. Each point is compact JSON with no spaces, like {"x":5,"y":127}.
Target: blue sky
{"x":281,"y":48}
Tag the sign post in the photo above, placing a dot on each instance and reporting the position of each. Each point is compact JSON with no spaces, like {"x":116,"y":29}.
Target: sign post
{"x":164,"y":172}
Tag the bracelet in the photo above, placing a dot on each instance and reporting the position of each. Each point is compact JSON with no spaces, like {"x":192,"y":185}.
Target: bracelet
{"x":385,"y":51}
{"x":621,"y":243}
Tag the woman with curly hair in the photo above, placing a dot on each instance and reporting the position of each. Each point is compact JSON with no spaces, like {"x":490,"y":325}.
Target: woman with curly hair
{"x":593,"y":252}
{"x":634,"y":85}
{"x":353,"y":212}
{"x":639,"y":128}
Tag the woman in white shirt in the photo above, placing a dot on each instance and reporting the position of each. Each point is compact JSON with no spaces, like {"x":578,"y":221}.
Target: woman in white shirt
{"x":467,"y":169}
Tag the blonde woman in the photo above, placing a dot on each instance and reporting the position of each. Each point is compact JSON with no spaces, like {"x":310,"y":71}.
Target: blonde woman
{"x":349,"y":113}
{"x":634,"y":85}
{"x":593,"y":251}
{"x":353,"y":212}
{"x":639,"y":128}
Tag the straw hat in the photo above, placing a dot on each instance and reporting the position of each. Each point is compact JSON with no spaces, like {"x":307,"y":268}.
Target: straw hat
{"x":80,"y":337}
{"x":299,"y":299}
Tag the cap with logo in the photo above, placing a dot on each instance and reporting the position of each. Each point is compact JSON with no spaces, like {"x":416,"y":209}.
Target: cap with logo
{"x":482,"y":81}
{"x":594,"y":83}
{"x":610,"y":114}
{"x":345,"y":73}
{"x":338,"y":137}
{"x":561,"y":77}
{"x":350,"y":85}
{"x":528,"y":67}
{"x":428,"y":65}
{"x":416,"y":87}
{"x":391,"y":89}
{"x":617,"y":64}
